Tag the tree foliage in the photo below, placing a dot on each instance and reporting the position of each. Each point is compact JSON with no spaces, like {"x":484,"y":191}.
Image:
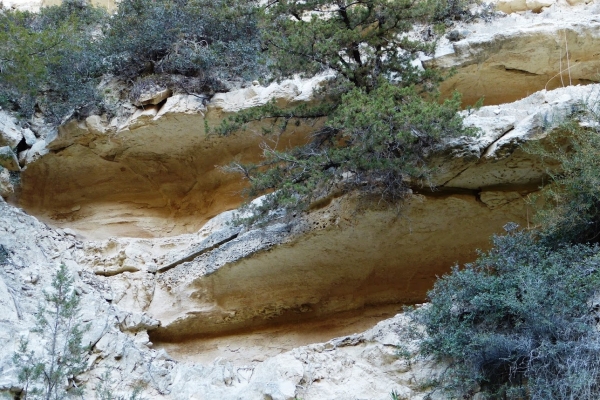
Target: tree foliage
{"x":216,"y":40}
{"x":49,"y":60}
{"x":362,"y":41}
{"x":45,"y":374}
{"x":53,"y":61}
{"x":380,"y":106}
{"x":520,"y":322}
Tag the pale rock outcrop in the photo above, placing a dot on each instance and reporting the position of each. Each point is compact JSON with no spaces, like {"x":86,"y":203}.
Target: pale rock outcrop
{"x":495,"y":158}
{"x":35,"y":5}
{"x":519,"y":54}
{"x":10,"y":133}
{"x":8,"y":159}
{"x":152,"y":97}
{"x":36,"y":151}
{"x":243,"y":313}
{"x":121,"y":357}
{"x":360,"y":366}
{"x":511,"y":6}
{"x":166,"y":172}
{"x":29,"y":137}
{"x":237,"y":278}
{"x":30,"y":252}
{"x":6,"y":186}
{"x":225,"y":278}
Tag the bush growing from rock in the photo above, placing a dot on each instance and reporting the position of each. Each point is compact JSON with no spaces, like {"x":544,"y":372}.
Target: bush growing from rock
{"x":53,"y":61}
{"x":520,"y":322}
{"x":50,"y":374}
{"x":570,"y":203}
{"x":381,"y":108}
{"x":50,"y":60}
{"x":215,"y":40}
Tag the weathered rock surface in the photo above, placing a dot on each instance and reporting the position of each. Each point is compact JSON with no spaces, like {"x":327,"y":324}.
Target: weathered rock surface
{"x":8,"y":159}
{"x":30,"y":253}
{"x":512,"y":6}
{"x":157,"y":173}
{"x":121,"y":356}
{"x":235,"y":313}
{"x":359,"y":366}
{"x":332,"y":261}
{"x":6,"y":186}
{"x":10,"y":133}
{"x":521,"y":53}
{"x":224,"y":279}
{"x":34,"y":5}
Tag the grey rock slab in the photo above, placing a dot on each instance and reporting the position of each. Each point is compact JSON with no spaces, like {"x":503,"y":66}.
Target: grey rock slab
{"x":10,"y":133}
{"x":29,"y":136}
{"x":8,"y":159}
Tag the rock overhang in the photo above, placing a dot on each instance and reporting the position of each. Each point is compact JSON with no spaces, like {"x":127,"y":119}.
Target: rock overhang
{"x":333,"y":260}
{"x":158,"y":173}
{"x":516,"y":55}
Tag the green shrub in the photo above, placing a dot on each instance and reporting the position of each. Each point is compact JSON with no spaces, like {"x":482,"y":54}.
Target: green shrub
{"x":569,"y":208}
{"x":374,"y":143}
{"x":50,"y":60}
{"x":381,"y":108}
{"x":50,"y":374}
{"x":53,"y":61}
{"x":520,"y":322}
{"x":215,"y":40}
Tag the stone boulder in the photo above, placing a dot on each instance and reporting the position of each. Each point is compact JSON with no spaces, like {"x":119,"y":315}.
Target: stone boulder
{"x":10,"y":133}
{"x":8,"y":159}
{"x":6,"y":186}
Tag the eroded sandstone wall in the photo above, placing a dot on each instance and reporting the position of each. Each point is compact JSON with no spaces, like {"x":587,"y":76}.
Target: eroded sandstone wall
{"x":158,"y":173}
{"x":155,"y":173}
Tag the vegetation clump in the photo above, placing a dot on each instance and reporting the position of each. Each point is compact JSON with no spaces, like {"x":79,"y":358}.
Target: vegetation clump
{"x":522,"y":321}
{"x":49,"y":61}
{"x":52,"y":61}
{"x":380,"y":106}
{"x":570,"y":202}
{"x":50,"y":373}
{"x":214,"y":40}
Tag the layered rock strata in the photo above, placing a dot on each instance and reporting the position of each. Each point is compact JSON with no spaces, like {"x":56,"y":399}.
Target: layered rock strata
{"x":332,"y":260}
{"x":190,"y":309}
{"x":143,"y":296}
{"x":519,"y":54}
{"x":122,"y":357}
{"x":158,"y":173}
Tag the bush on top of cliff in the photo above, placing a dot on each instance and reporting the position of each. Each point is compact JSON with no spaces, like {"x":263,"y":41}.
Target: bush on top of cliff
{"x":48,"y":60}
{"x":215,"y":40}
{"x":53,"y":61}
{"x":382,"y":111}
{"x":520,"y":322}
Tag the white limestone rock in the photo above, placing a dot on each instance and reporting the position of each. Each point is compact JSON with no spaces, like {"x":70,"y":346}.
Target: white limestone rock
{"x":6,"y":186}
{"x":10,"y":133}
